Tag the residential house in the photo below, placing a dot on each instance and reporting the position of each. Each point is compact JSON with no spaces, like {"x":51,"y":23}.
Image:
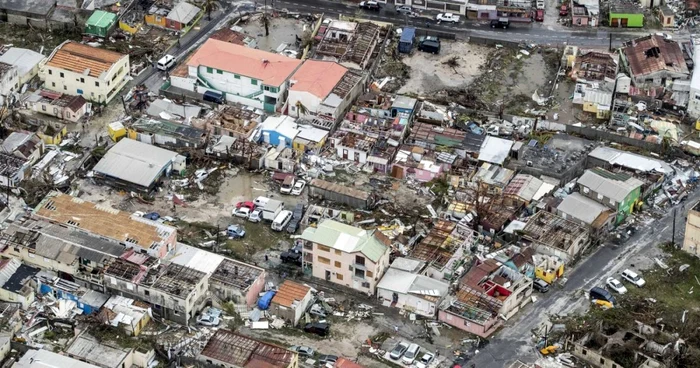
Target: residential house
{"x":324,"y":89}
{"x":25,"y":145}
{"x":17,"y":282}
{"x":348,"y":43}
{"x":341,"y":194}
{"x":381,"y":115}
{"x":107,"y":354}
{"x":309,"y":139}
{"x":429,"y":136}
{"x":691,"y":239}
{"x":667,"y":17}
{"x":618,"y":191}
{"x":553,"y":235}
{"x":126,"y":313}
{"x":547,"y":267}
{"x":231,"y":350}
{"x":651,"y":171}
{"x":88,"y":301}
{"x":492,"y":178}
{"x":26,"y":61}
{"x":443,"y":249}
{"x":34,"y":13}
{"x":166,"y":134}
{"x":182,"y":17}
{"x":495,"y":150}
{"x":280,"y":159}
{"x":61,"y":106}
{"x":523,"y":187}
{"x":233,"y":120}
{"x":346,"y":255}
{"x":585,"y":13}
{"x":279,"y":131}
{"x":625,"y":14}
{"x":291,"y":301}
{"x":156,"y":16}
{"x":562,"y":158}
{"x":653,"y":60}
{"x":94,"y":73}
{"x":595,"y":74}
{"x":252,"y":77}
{"x":416,"y":163}
{"x":100,"y":23}
{"x":136,"y":165}
{"x":130,"y":231}
{"x":9,"y":81}
{"x":238,"y":282}
{"x":415,"y":293}
{"x":12,"y":170}
{"x":352,"y":146}
{"x":515,"y":11}
{"x":586,"y":212}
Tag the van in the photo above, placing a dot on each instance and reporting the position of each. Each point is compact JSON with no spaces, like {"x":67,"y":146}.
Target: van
{"x":539,"y":15}
{"x":281,"y":220}
{"x":500,"y":23}
{"x":287,"y":184}
{"x":597,"y":293}
{"x":166,"y":62}
{"x":540,"y":285}
{"x":260,"y":201}
{"x":215,"y":97}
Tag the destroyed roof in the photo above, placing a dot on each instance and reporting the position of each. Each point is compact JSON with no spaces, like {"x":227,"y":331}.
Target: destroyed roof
{"x":317,"y":77}
{"x":10,"y":164}
{"x":174,"y":279}
{"x":229,"y":35}
{"x":102,"y":220}
{"x":404,"y":282}
{"x":581,"y":208}
{"x":79,"y":58}
{"x":616,"y":186}
{"x":135,"y":162}
{"x":495,"y":150}
{"x":237,"y":274}
{"x":346,"y":238}
{"x":183,"y":12}
{"x":551,"y":230}
{"x":524,"y":186}
{"x":271,"y":69}
{"x":242,"y":351}
{"x":290,"y":292}
{"x":630,"y":160}
{"x":24,"y":59}
{"x":184,"y":132}
{"x":87,"y":348}
{"x":34,"y":7}
{"x":47,"y":359}
{"x":596,"y":66}
{"x":24,"y":142}
{"x":340,"y":189}
{"x":653,"y":53}
{"x":161,"y":106}
{"x":19,"y":277}
{"x":493,"y":175}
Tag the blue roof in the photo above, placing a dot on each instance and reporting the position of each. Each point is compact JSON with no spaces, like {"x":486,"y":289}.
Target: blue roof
{"x":408,"y":34}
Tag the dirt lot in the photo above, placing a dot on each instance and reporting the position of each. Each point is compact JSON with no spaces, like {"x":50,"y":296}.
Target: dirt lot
{"x":282,"y":30}
{"x":430,"y":73}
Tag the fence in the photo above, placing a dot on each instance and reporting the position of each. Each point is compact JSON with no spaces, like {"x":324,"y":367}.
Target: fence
{"x":492,"y":41}
{"x":595,"y":134}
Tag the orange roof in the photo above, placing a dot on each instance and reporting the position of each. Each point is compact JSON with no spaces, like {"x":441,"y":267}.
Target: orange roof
{"x":77,"y":57}
{"x":288,"y":292}
{"x":318,"y":77}
{"x":271,"y":69}
{"x":345,"y":363}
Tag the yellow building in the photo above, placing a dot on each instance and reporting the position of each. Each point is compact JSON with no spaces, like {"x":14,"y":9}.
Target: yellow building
{"x":691,"y":242}
{"x":309,"y":139}
{"x":157,"y":17}
{"x":116,"y":131}
{"x":548,"y":268}
{"x":52,"y":134}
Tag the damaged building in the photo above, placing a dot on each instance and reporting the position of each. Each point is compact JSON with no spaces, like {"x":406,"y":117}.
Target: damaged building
{"x":552,"y":235}
{"x":348,"y":43}
{"x":562,"y":158}
{"x":653,"y":61}
{"x":237,"y":282}
{"x":230,"y":349}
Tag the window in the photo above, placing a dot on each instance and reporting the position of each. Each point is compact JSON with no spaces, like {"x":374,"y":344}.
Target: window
{"x":146,"y":293}
{"x":236,"y":76}
{"x":254,"y":82}
{"x":360,"y":274}
{"x":53,"y":84}
{"x":339,"y":276}
{"x":92,"y":94}
{"x":584,"y":351}
{"x":324,"y":260}
{"x":602,"y":360}
{"x":210,"y":70}
{"x":369,"y":274}
{"x":365,"y":285}
{"x":82,"y":80}
{"x":219,"y":71}
{"x":600,"y":197}
{"x":43,"y":107}
{"x":50,"y":72}
{"x":65,"y":88}
{"x":61,"y":74}
{"x":270,"y":89}
{"x":337,"y":252}
{"x":97,"y":84}
{"x":360,"y":260}
{"x":16,"y":249}
{"x":324,"y":248}
{"x":337,"y":264}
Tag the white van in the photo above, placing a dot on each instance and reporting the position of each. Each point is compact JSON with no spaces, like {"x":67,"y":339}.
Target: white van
{"x":281,"y":220}
{"x":166,"y":62}
{"x":260,"y":201}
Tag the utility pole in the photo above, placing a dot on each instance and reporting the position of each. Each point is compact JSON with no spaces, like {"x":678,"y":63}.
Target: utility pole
{"x":610,"y":42}
{"x":673,"y":235}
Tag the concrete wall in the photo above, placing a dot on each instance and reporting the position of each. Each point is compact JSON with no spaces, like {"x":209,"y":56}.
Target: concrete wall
{"x":465,"y":325}
{"x":410,"y":302}
{"x":293,"y":314}
{"x":63,"y":113}
{"x":9,"y":82}
{"x":310,"y":101}
{"x":599,"y":135}
{"x":101,"y":90}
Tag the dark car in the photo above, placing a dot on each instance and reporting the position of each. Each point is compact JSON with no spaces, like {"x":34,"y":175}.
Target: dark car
{"x":298,"y":212}
{"x":152,"y":216}
{"x":369,"y":5}
{"x":293,"y":255}
{"x":318,"y":328}
{"x":293,"y":225}
{"x":540,"y":285}
{"x":429,"y":44}
{"x":500,"y":23}
{"x":597,"y":293}
{"x":324,"y":359}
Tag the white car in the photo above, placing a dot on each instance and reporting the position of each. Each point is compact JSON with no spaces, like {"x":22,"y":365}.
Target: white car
{"x":447,"y":17}
{"x":633,"y":277}
{"x":256,"y":215}
{"x":243,"y":212}
{"x":298,"y":187}
{"x":425,"y":360}
{"x":615,"y":285}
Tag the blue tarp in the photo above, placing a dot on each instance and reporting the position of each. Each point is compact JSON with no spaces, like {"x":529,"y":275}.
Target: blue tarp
{"x":266,"y":299}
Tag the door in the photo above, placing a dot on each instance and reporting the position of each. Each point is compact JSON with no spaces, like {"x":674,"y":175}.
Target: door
{"x":623,"y":22}
{"x":345,"y":154}
{"x":328,"y":275}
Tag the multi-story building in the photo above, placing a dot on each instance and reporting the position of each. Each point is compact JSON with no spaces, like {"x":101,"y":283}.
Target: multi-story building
{"x":346,"y":255}
{"x":91,"y":72}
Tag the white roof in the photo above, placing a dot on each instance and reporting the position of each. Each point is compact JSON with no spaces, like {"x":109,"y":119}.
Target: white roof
{"x":284,"y":125}
{"x":311,"y":133}
{"x":196,"y":258}
{"x":407,"y":264}
{"x":629,"y":160}
{"x":25,"y":60}
{"x":616,"y":190}
{"x":514,"y":226}
{"x":135,"y":162}
{"x":495,"y":150}
{"x":545,"y":189}
{"x":183,"y":12}
{"x":403,"y":282}
{"x":581,"y":208}
{"x":48,"y":359}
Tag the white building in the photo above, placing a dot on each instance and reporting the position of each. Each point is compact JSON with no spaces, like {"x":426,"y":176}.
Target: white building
{"x":694,"y":101}
{"x":252,"y":77}
{"x":402,"y":287}
{"x":77,"y":69}
{"x":9,"y":80}
{"x":26,"y":61}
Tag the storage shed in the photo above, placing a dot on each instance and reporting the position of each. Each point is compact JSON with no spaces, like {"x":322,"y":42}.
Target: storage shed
{"x":100,"y":23}
{"x":408,"y":36}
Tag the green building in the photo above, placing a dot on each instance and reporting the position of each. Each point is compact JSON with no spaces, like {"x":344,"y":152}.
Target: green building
{"x":100,"y":23}
{"x":625,"y":15}
{"x":619,"y":191}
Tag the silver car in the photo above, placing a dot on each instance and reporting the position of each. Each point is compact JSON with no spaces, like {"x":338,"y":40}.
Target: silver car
{"x":398,"y":350}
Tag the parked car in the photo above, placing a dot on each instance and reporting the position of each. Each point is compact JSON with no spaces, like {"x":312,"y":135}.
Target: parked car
{"x":303,"y":350}
{"x":292,"y":255}
{"x":317,"y":310}
{"x":235,"y":231}
{"x":250,"y":205}
{"x":447,"y":17}
{"x":615,"y":285}
{"x":243,"y":212}
{"x":152,"y":216}
{"x":540,"y":285}
{"x":539,"y":4}
{"x":298,"y":187}
{"x":369,"y":5}
{"x":633,"y":277}
{"x":210,"y":317}
{"x":293,"y":225}
{"x":429,"y":44}
{"x":404,"y":9}
{"x":425,"y":360}
{"x":539,"y":15}
{"x":563,"y":11}
{"x":288,"y":184}
{"x":411,"y":353}
{"x":398,"y":350}
{"x":326,"y":359}
{"x":597,"y":293}
{"x":500,"y":23}
{"x":318,"y":328}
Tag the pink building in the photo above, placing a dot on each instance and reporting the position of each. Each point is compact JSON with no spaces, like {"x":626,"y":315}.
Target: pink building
{"x":58,"y":105}
{"x":415,"y":162}
{"x":237,"y":281}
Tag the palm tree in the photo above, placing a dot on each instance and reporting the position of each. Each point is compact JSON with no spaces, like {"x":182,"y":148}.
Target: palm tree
{"x":209,"y":6}
{"x":301,"y":109}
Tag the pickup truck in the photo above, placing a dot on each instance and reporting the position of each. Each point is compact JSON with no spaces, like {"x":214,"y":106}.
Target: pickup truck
{"x":447,"y":17}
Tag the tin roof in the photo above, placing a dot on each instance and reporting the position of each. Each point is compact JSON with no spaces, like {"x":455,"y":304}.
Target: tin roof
{"x":654,"y":53}
{"x":183,"y":12}
{"x":242,"y":351}
{"x":289,"y":292}
{"x":135,"y":162}
{"x":346,"y":238}
{"x":79,"y":58}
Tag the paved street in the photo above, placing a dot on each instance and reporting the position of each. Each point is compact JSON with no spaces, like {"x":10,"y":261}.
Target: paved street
{"x":514,"y":340}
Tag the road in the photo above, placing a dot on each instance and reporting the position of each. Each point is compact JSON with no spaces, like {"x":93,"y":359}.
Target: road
{"x":514,"y":340}
{"x":530,"y":32}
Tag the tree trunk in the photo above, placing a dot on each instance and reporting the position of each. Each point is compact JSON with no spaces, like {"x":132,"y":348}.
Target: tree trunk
{"x":267,"y":27}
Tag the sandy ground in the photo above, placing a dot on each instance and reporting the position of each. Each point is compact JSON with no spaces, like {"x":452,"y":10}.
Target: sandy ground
{"x":282,"y":30}
{"x":429,"y":74}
